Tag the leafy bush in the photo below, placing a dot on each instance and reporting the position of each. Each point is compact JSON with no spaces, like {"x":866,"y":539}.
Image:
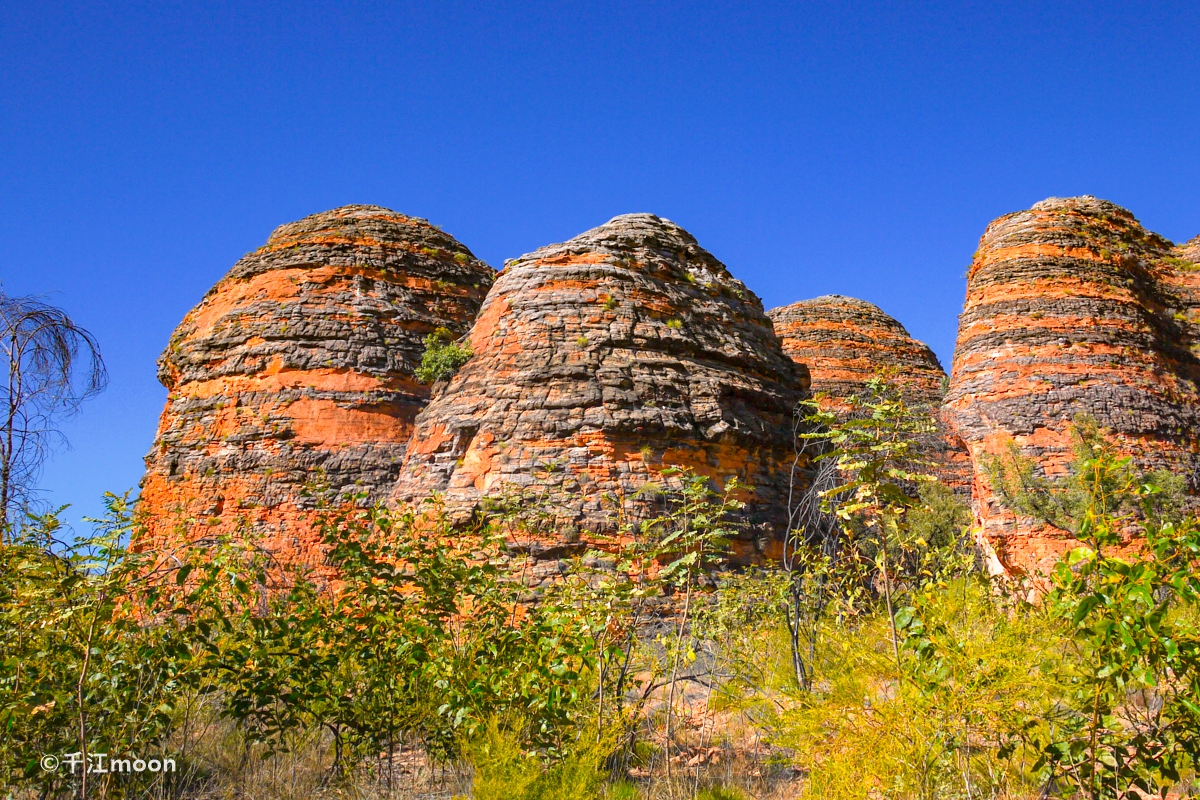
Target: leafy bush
{"x":80,"y":670}
{"x":442,"y":358}
{"x":874,"y":520}
{"x":946,"y":720}
{"x":921,"y":677}
{"x":505,"y":770}
{"x":1129,"y":719}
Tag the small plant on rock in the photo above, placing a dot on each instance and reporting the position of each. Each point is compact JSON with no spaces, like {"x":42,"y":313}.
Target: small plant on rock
{"x":443,"y":356}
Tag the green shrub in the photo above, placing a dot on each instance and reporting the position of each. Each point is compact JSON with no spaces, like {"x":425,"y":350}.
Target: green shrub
{"x":719,"y":793}
{"x":947,"y":721}
{"x":622,"y":790}
{"x":442,"y":358}
{"x":79,"y":671}
{"x":1129,"y":720}
{"x":504,"y":769}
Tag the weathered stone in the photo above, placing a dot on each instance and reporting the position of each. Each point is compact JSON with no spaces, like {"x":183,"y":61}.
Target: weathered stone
{"x":292,"y":380}
{"x":598,"y":363}
{"x":845,"y":342}
{"x":1074,"y":308}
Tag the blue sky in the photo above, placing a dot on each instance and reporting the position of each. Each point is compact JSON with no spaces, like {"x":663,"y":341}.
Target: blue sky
{"x":856,"y":148}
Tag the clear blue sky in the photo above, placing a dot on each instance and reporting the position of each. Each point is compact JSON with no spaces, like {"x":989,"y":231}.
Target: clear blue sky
{"x":813,"y":147}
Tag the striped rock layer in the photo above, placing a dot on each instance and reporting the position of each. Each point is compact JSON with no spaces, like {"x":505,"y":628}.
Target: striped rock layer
{"x":292,"y":380}
{"x":1074,"y":308}
{"x":845,"y":342}
{"x":598,"y":363}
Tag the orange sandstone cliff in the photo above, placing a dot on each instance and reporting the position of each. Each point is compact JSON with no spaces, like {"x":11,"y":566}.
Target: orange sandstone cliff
{"x":292,"y":381}
{"x":598,"y":363}
{"x":1074,"y":308}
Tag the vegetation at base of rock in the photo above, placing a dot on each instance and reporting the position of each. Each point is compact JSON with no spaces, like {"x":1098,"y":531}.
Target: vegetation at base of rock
{"x":1131,"y":609}
{"x":640,"y":672}
{"x":442,"y":357}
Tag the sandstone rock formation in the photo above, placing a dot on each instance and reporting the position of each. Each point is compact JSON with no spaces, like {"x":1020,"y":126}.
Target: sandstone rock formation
{"x":845,"y":342}
{"x":1073,"y":307}
{"x":599,"y":362}
{"x":295,"y":374}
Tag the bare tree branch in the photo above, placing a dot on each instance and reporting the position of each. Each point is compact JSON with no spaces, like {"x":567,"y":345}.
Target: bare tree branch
{"x":50,"y":366}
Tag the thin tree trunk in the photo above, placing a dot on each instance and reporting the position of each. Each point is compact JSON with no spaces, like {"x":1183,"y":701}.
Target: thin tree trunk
{"x":82,"y":713}
{"x":887,"y":593}
{"x":687,"y":606}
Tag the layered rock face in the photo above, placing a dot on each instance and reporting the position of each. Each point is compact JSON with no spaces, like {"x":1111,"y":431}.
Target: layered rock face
{"x":845,"y":342}
{"x":1074,"y":308}
{"x":598,"y":363}
{"x":292,"y":380}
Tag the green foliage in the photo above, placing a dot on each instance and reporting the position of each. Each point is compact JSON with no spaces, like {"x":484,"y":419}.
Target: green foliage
{"x":939,"y":521}
{"x":1134,"y":719}
{"x":675,"y":324}
{"x":80,"y":670}
{"x":442,"y":358}
{"x":505,"y":770}
{"x":424,"y":639}
{"x":622,"y":790}
{"x":946,"y":723}
{"x":921,"y":678}
{"x":719,"y":793}
{"x":697,"y":528}
{"x":1130,"y":718}
{"x":876,"y":520}
{"x":1093,"y":487}
{"x":741,"y":627}
{"x":876,"y":446}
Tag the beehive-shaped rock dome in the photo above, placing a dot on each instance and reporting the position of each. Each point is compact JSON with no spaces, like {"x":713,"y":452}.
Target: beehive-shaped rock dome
{"x":599,"y":362}
{"x":292,"y":380}
{"x":1074,"y":308}
{"x":845,"y":342}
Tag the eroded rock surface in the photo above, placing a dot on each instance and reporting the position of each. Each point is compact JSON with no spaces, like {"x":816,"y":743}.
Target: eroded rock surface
{"x":845,"y":342}
{"x":598,"y":363}
{"x":294,"y":375}
{"x":1074,"y":308}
